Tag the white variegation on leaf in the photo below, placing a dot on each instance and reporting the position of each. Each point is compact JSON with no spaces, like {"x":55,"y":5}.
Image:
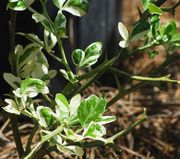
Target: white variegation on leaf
{"x":60,"y":25}
{"x":58,"y":3}
{"x":124,"y":34}
{"x":40,"y":18}
{"x":74,"y":104}
{"x":91,"y":109}
{"x":32,"y":37}
{"x":12,"y":107}
{"x":94,"y":131}
{"x":70,"y":150}
{"x":31,"y":87}
{"x":105,"y":119}
{"x":45,"y":116}
{"x":76,"y":7}
{"x":62,"y":107}
{"x":70,"y":135}
{"x":50,"y":40}
{"x":64,"y":74}
{"x":89,"y":57}
{"x":139,"y":30}
{"x":12,"y":80}
{"x":19,"y":5}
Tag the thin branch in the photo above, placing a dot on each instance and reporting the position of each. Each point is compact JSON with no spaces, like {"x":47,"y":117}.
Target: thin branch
{"x":120,"y":95}
{"x":141,"y":78}
{"x":44,"y":139}
{"x":29,"y":143}
{"x":13,"y":118}
{"x":127,"y":130}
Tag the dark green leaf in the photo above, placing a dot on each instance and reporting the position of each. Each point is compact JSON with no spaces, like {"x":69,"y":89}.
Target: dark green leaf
{"x":139,"y":30}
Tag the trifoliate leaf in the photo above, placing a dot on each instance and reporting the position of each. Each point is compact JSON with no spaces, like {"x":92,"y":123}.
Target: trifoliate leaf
{"x":88,"y":57}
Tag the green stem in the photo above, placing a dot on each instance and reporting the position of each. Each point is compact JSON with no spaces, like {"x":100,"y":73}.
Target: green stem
{"x":141,"y":78}
{"x":44,"y":139}
{"x":143,"y":83}
{"x":16,"y":135}
{"x":65,"y":62}
{"x":13,"y":118}
{"x":126,"y":131}
{"x":99,"y":72}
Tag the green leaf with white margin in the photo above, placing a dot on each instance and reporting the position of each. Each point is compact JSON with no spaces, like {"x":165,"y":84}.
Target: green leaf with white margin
{"x":32,"y":37}
{"x":139,"y":30}
{"x":71,"y":150}
{"x":64,"y":74}
{"x":49,"y":40}
{"x":19,"y":5}
{"x":30,"y":87}
{"x":70,"y":135}
{"x":87,"y":58}
{"x":125,"y":35}
{"x":45,"y":116}
{"x":39,"y":71}
{"x":29,"y":54}
{"x":58,"y":3}
{"x":76,"y":7}
{"x":39,"y":18}
{"x":94,"y":131}
{"x":60,"y":25}
{"x":74,"y":104}
{"x":153,"y":9}
{"x":12,"y":80}
{"x":176,"y":38}
{"x":11,"y":107}
{"x":91,"y":109}
{"x":62,"y":107}
{"x":105,"y":119}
